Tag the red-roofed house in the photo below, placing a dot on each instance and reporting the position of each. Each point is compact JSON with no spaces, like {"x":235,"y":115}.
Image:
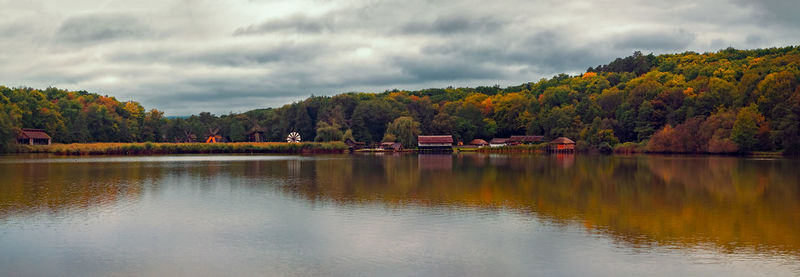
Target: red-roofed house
{"x":33,"y":137}
{"x":562,"y":145}
{"x":435,"y":142}
{"x":517,"y":140}
{"x":498,"y":142}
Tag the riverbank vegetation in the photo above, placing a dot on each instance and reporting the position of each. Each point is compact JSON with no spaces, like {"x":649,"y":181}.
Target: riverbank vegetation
{"x":730,"y":101}
{"x":150,"y":148}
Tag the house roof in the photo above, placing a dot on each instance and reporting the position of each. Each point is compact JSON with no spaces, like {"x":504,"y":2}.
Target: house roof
{"x":32,"y":134}
{"x":498,"y":140}
{"x":562,"y":140}
{"x":443,"y":139}
{"x":525,"y":138}
{"x":478,"y":142}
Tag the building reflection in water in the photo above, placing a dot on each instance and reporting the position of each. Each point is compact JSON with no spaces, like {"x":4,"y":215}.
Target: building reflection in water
{"x":731,"y":203}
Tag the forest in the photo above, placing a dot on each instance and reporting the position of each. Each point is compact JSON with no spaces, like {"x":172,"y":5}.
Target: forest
{"x":729,"y":101}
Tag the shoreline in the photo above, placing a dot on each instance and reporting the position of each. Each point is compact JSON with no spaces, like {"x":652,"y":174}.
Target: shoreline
{"x":151,"y":148}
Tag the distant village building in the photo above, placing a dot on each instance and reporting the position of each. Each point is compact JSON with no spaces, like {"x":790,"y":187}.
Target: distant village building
{"x":256,"y":134}
{"x":435,"y":143}
{"x":33,"y":137}
{"x":478,"y":143}
{"x":518,"y":140}
{"x":498,"y":142}
{"x":562,"y":145}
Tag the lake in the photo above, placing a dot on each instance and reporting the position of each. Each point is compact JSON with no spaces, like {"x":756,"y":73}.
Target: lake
{"x":399,"y":215}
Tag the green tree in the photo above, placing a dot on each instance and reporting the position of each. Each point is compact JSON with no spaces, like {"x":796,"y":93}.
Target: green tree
{"x":328,"y":132}
{"x":404,"y":129}
{"x":745,"y":128}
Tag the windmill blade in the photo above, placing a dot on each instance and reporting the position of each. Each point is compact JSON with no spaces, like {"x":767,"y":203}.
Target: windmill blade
{"x":293,"y":137}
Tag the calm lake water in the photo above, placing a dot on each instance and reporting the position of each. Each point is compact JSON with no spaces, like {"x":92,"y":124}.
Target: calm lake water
{"x":399,"y":215}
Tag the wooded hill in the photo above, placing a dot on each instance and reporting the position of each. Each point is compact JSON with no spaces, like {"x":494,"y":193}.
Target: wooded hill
{"x":721,"y":102}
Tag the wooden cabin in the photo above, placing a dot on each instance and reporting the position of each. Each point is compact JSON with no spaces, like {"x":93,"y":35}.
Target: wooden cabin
{"x":33,"y":137}
{"x":562,"y":145}
{"x":520,"y":140}
{"x":439,"y":143}
{"x":391,"y":146}
{"x":478,"y":143}
{"x":498,"y":142}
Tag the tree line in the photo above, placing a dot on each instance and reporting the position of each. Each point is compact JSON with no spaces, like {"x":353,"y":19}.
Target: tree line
{"x":719,"y":102}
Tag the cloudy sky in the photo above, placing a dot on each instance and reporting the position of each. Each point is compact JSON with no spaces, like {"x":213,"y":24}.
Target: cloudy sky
{"x":183,"y":56}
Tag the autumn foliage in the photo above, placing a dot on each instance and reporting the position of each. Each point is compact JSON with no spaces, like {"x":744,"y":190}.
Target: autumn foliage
{"x":728,"y":101}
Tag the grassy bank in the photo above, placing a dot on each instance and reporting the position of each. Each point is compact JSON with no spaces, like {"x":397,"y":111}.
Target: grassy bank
{"x":149,"y":148}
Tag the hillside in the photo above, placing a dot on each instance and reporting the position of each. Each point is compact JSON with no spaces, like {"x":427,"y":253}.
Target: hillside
{"x":726,"y":101}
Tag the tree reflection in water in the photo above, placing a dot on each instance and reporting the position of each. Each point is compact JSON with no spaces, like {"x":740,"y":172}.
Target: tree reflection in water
{"x":733,"y":204}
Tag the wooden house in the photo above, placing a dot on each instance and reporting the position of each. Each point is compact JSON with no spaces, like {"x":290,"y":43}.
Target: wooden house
{"x":498,"y":142}
{"x":33,"y":137}
{"x":435,"y":143}
{"x":562,"y":145}
{"x":518,"y":140}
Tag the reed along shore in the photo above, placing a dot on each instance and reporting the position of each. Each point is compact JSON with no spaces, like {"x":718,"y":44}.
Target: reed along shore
{"x":149,"y":148}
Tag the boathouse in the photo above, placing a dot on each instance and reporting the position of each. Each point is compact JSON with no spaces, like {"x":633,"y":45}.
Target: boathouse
{"x":562,"y":145}
{"x":33,"y":137}
{"x":498,"y":142}
{"x":442,"y":143}
{"x":518,"y":140}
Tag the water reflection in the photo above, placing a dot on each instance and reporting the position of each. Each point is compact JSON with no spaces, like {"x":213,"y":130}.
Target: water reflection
{"x":731,"y":204}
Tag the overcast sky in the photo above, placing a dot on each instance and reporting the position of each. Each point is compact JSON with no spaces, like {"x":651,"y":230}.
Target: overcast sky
{"x":184,"y":57}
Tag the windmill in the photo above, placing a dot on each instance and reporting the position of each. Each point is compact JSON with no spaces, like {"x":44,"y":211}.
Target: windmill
{"x":293,"y":137}
{"x":213,"y":137}
{"x":188,"y":136}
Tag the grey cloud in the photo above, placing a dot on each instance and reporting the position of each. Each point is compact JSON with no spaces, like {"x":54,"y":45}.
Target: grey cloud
{"x":650,"y":40}
{"x":754,"y":39}
{"x":297,"y":23}
{"x":101,"y":27}
{"x":248,"y":56}
{"x":187,"y":56}
{"x":447,"y":25}
{"x":425,"y":69}
{"x":545,"y":51}
{"x":775,"y":12}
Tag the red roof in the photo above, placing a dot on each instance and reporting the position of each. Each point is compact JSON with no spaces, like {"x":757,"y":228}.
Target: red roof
{"x":478,"y":142}
{"x":32,"y":134}
{"x":525,"y":138}
{"x":562,"y":140}
{"x":435,"y":139}
{"x":498,"y":140}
